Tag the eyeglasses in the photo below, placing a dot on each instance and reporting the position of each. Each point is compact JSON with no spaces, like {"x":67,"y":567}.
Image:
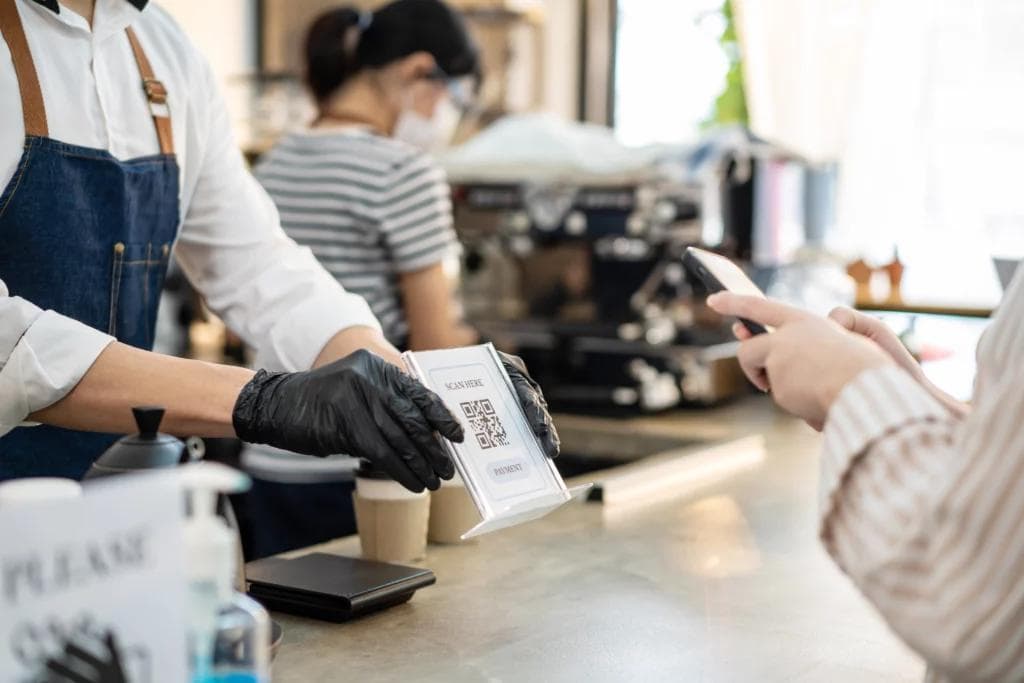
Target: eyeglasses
{"x":462,"y":89}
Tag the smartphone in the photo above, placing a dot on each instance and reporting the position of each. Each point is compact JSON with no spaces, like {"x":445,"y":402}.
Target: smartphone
{"x":719,"y":274}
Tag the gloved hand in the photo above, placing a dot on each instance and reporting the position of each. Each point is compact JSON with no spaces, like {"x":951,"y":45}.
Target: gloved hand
{"x":532,"y":400}
{"x":361,"y":405}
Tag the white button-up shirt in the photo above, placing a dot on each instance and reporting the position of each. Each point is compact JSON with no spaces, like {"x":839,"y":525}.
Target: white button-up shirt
{"x":267,"y":289}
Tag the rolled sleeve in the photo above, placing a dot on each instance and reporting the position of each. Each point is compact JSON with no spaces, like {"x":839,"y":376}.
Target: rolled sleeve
{"x":268,"y":290}
{"x":876,"y":403}
{"x":43,"y":355}
{"x":298,"y":336}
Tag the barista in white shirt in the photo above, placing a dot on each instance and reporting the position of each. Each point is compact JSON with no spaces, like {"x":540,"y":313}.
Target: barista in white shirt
{"x":115,"y":149}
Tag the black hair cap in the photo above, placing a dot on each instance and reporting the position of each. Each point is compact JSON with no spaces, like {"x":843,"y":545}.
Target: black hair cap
{"x":393,"y":32}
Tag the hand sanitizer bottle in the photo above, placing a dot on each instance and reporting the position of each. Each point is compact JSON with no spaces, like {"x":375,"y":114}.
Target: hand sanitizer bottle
{"x":228,"y":633}
{"x":242,"y":650}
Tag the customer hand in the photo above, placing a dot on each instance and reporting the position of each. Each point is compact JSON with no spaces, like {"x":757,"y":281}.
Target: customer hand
{"x":866,"y":326}
{"x":806,"y":361}
{"x":880,"y":333}
{"x":361,"y":405}
{"x":532,"y":400}
{"x":877,"y":331}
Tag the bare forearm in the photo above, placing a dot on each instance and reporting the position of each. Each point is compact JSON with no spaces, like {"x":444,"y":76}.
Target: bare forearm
{"x":432,"y":311}
{"x":437,"y":337}
{"x":199,"y":397}
{"x":352,"y":339}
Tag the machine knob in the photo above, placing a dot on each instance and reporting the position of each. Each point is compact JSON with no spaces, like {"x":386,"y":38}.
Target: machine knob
{"x":576,"y":223}
{"x":519,"y":222}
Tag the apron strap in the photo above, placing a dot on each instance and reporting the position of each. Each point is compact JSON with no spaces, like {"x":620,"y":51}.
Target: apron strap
{"x":156,"y":93}
{"x":32,"y":109}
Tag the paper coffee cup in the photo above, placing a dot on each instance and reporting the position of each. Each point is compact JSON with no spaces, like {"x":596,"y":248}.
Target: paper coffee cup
{"x":391,"y":520}
{"x":37,"y":489}
{"x":452,"y":512}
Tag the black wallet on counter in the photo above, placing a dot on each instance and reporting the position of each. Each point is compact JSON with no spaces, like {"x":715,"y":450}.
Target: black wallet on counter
{"x":332,"y":587}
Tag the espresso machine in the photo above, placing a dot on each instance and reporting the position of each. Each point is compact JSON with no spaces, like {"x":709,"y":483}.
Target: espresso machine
{"x":584,"y":280}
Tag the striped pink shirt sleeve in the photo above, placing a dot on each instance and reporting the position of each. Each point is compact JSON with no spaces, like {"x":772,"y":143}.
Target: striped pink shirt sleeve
{"x":925,"y":511}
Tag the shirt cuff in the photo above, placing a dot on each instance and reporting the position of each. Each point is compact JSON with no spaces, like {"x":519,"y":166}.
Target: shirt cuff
{"x":48,"y":361}
{"x":298,"y":338}
{"x":876,"y":403}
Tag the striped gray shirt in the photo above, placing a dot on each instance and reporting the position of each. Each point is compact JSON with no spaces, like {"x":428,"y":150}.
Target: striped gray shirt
{"x":369,"y":207}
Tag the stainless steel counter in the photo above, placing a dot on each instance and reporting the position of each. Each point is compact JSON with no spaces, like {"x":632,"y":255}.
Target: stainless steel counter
{"x":725,"y":584}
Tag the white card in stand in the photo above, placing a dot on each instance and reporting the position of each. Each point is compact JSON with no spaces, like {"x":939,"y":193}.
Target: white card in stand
{"x":501,"y":461}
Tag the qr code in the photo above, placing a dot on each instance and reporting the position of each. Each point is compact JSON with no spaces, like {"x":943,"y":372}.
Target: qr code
{"x":484,"y":423}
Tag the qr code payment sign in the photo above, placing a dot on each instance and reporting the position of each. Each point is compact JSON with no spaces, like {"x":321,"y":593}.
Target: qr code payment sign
{"x":485,"y":424}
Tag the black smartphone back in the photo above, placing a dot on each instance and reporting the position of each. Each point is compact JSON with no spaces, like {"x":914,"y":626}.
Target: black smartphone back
{"x":719,"y":274}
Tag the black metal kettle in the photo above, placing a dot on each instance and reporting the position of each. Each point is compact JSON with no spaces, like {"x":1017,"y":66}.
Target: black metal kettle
{"x":147,"y":450}
{"x":151,"y":449}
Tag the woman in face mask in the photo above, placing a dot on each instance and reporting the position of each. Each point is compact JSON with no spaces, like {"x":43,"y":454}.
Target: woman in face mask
{"x":359,"y":187}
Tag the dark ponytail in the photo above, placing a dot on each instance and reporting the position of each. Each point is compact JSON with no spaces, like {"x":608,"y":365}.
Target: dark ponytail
{"x":328,"y":47}
{"x":343,"y":41}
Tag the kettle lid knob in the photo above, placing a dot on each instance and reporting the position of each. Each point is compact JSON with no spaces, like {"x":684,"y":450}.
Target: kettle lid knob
{"x":148,"y":419}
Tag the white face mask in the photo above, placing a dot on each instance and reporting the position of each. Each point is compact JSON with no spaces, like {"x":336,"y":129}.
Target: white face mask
{"x":428,"y":134}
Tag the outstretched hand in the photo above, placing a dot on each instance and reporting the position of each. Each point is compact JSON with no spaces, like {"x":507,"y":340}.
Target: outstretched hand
{"x":361,"y":405}
{"x":806,"y":361}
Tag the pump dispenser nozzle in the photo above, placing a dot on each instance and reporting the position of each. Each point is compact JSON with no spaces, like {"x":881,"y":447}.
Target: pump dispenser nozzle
{"x":205,"y":480}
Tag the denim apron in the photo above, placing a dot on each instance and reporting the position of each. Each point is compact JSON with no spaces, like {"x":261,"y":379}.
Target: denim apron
{"x":87,"y":236}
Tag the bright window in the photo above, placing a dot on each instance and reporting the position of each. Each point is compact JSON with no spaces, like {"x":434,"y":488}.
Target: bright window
{"x":933,"y":161}
{"x":669,"y":68}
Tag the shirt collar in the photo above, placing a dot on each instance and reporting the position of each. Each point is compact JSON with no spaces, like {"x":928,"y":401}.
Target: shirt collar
{"x":110,"y":18}
{"x":54,"y":6}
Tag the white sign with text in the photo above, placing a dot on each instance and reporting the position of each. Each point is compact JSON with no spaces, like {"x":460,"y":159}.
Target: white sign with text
{"x":95,"y":582}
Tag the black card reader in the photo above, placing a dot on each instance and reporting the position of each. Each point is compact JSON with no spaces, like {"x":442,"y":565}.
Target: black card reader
{"x":332,"y":587}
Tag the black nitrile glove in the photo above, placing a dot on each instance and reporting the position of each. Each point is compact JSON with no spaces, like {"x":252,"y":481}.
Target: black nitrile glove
{"x":532,"y":400}
{"x":360,"y":405}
